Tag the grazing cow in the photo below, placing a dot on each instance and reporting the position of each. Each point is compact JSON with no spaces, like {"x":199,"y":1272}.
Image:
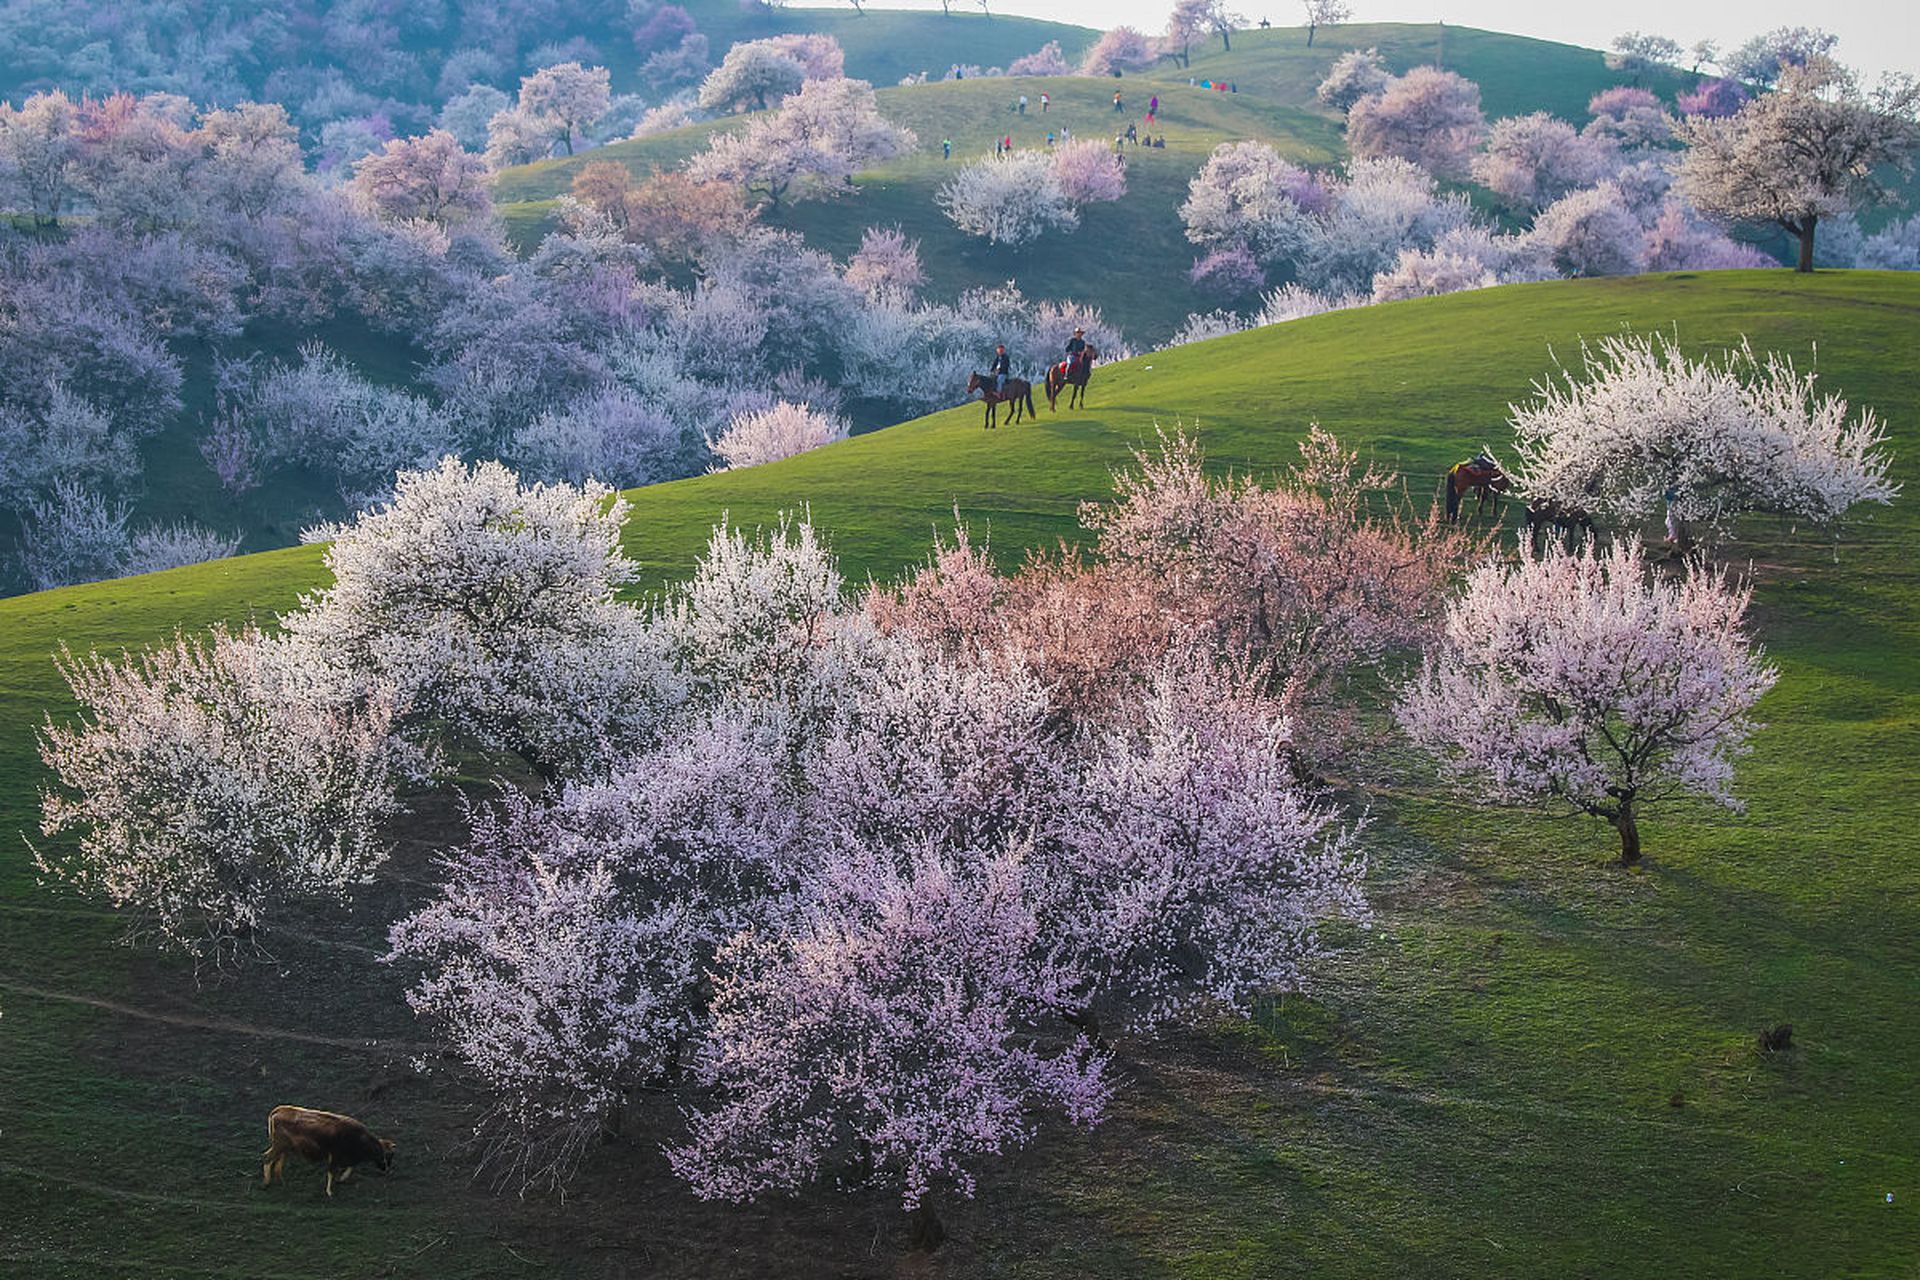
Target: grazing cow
{"x":316,"y":1136}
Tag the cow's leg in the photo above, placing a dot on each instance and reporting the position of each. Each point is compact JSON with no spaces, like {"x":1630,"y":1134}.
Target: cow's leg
{"x":266,"y":1171}
{"x":329,"y":1182}
{"x":347,"y":1174}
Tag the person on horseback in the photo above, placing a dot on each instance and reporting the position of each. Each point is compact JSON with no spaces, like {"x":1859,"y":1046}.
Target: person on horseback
{"x":1002,"y":366}
{"x":1076,"y":348}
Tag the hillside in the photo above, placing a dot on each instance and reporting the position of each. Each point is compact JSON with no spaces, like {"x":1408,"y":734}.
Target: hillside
{"x":1130,"y":258}
{"x":1534,"y":1064}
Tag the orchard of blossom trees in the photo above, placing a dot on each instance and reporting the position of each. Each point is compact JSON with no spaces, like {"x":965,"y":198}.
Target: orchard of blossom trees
{"x":873,"y":886}
{"x":620,"y":349}
{"x":968,"y":829}
{"x":1633,"y":189}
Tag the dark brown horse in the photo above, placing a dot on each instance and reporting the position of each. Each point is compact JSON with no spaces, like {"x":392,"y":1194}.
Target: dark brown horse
{"x":1071,"y":373}
{"x":1018,"y":393}
{"x":1548,"y":513}
{"x":1481,"y":474}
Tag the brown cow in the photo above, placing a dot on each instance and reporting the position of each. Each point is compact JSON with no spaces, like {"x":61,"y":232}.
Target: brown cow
{"x":341,"y":1141}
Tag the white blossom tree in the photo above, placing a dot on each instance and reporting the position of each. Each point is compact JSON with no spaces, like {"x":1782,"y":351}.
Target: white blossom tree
{"x":1247,"y":196}
{"x":1641,"y":428}
{"x":1429,"y":116}
{"x":566,"y":97}
{"x":430,"y":178}
{"x":1011,"y":199}
{"x":1355,"y":74}
{"x":1591,"y":233}
{"x":489,"y":606}
{"x":753,"y":73}
{"x":1574,"y":680}
{"x":211,"y":781}
{"x":1812,"y":149}
{"x":1324,"y":13}
{"x":768,"y":435}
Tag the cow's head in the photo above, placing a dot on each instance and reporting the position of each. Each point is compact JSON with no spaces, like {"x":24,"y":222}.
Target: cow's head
{"x":384,"y":1161}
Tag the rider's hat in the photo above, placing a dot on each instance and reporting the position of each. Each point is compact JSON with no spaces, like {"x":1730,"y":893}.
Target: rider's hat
{"x":1078,"y":329}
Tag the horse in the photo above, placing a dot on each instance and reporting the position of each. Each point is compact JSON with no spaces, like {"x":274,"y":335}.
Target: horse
{"x":1071,"y":373}
{"x":1018,"y":393}
{"x":1479,"y":473}
{"x":1545,"y":512}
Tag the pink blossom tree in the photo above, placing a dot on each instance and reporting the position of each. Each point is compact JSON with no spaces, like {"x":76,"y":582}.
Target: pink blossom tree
{"x":894,"y":1025}
{"x":430,"y":178}
{"x":1533,"y":160}
{"x":1047,"y":60}
{"x":1196,"y":869}
{"x":886,"y":260}
{"x":1641,"y":427}
{"x":811,"y":147}
{"x":1230,"y":273}
{"x":1429,"y":116}
{"x":1715,"y":99}
{"x":1576,"y":681}
{"x":1088,"y":171}
{"x":563,"y":960}
{"x":213,"y":780}
{"x":1631,"y":119}
{"x":1120,"y":49}
{"x":38,"y":143}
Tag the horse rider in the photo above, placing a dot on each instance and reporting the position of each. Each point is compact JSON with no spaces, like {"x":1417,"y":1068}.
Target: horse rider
{"x":1000,"y":368}
{"x":1076,"y":348}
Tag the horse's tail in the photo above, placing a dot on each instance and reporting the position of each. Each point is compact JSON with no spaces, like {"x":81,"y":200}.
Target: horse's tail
{"x":1453,"y":495}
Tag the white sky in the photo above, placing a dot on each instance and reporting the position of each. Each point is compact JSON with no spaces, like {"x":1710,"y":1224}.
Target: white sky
{"x":1875,"y":35}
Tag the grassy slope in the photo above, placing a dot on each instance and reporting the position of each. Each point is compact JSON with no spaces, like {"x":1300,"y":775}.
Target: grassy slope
{"x":1485,"y":1084}
{"x":1129,"y":257}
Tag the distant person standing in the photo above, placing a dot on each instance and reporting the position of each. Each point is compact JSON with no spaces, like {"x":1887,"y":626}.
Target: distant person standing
{"x":1118,"y":104}
{"x":1045,"y":102}
{"x":1153,"y":106}
{"x":946,"y":148}
{"x":1006,"y":144}
{"x":1023,"y":104}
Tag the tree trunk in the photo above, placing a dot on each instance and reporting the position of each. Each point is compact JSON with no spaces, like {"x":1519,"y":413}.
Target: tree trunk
{"x":1310,"y":37}
{"x":1806,"y":243}
{"x":924,"y":1231}
{"x":1629,"y":834}
{"x":1226,"y":39}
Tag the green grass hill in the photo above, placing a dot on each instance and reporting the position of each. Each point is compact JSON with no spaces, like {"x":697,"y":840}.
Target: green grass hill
{"x":1130,"y":257}
{"x":1534,"y":1064}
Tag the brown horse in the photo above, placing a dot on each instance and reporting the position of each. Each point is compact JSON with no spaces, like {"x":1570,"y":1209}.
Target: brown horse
{"x":1548,"y":513}
{"x":1018,"y":393}
{"x":1071,"y":373}
{"x":1480,"y":474}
